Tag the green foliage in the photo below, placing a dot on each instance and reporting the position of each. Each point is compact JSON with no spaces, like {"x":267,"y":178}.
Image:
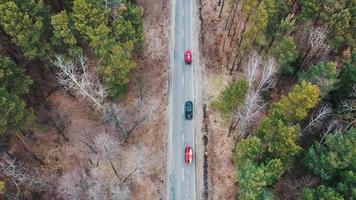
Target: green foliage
{"x":258,"y":25}
{"x":13,"y":84}
{"x":321,"y":193}
{"x":231,"y":97}
{"x":286,"y":25}
{"x":249,"y":149}
{"x":281,"y":139}
{"x":310,"y":9}
{"x":286,"y":54}
{"x":116,"y":73}
{"x":277,"y":16}
{"x":26,"y":29}
{"x":129,"y":27}
{"x":88,"y":16}
{"x":335,"y":162}
{"x":300,"y":101}
{"x":63,"y":34}
{"x":347,"y":80}
{"x":324,"y":74}
{"x":252,"y":182}
{"x":274,"y":169}
{"x":340,"y":24}
{"x":253,"y":179}
{"x":2,"y":187}
{"x":113,"y":45}
{"x":263,"y":159}
{"x":338,"y":154}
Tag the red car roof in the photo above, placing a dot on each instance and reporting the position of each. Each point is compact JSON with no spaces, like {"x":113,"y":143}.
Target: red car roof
{"x":188,"y":56}
{"x":188,"y":154}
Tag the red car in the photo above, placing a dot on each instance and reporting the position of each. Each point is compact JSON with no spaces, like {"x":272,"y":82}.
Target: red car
{"x":188,"y":56}
{"x":188,"y":155}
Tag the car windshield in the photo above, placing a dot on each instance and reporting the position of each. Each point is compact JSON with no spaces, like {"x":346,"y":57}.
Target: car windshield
{"x":189,"y":107}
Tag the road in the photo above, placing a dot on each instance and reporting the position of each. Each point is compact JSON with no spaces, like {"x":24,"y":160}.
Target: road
{"x":182,"y":184}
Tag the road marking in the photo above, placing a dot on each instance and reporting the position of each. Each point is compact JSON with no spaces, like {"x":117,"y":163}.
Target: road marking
{"x":183,"y":174}
{"x":183,"y":108}
{"x":183,"y":138}
{"x":182,"y":80}
{"x":182,"y":12}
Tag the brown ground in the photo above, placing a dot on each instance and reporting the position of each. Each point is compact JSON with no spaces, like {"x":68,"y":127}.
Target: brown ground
{"x":220,"y":146}
{"x":80,"y":168}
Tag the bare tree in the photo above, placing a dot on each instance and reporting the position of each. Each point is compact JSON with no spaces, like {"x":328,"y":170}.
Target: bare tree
{"x":21,"y":177}
{"x":318,"y":49}
{"x":317,"y":118}
{"x":124,"y":119}
{"x":245,"y":116}
{"x":75,"y":75}
{"x":348,"y":110}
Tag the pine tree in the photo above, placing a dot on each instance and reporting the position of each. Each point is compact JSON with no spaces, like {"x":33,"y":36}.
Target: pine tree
{"x":26,"y":30}
{"x":63,"y":34}
{"x":324,"y":74}
{"x":13,"y":84}
{"x":286,"y":55}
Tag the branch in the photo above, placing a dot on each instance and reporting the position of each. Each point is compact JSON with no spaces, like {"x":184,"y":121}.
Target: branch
{"x":128,"y":176}
{"x":112,"y":165}
{"x":316,"y":121}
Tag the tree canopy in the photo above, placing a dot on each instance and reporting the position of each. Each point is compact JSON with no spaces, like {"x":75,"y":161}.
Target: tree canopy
{"x":13,"y":84}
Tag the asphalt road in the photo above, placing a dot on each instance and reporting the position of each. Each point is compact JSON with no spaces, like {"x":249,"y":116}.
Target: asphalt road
{"x":181,"y":175}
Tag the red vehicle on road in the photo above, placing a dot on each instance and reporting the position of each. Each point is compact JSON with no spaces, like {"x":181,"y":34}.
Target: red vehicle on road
{"x":188,"y":155}
{"x":188,"y":56}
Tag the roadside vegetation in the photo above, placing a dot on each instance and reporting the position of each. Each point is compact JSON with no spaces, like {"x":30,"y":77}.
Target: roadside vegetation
{"x":88,"y":48}
{"x":300,"y":56}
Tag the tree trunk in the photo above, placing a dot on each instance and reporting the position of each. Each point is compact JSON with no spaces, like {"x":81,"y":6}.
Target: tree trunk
{"x":112,"y":165}
{"x":230,"y":56}
{"x":33,"y":155}
{"x":304,"y":58}
{"x":222,"y":7}
{"x":247,"y":20}
{"x":269,"y":45}
{"x":233,"y":18}
{"x":234,"y":64}
{"x":320,"y":11}
{"x":238,"y":65}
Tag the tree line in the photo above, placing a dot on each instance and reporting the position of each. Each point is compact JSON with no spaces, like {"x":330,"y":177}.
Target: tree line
{"x":312,"y":127}
{"x":41,"y":31}
{"x":53,"y":41}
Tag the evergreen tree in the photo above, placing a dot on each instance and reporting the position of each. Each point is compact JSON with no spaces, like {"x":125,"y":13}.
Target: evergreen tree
{"x":26,"y":30}
{"x":286,"y":55}
{"x":63,"y":34}
{"x":231,"y":97}
{"x":324,"y":74}
{"x":13,"y":84}
{"x":321,"y":193}
{"x":335,"y":164}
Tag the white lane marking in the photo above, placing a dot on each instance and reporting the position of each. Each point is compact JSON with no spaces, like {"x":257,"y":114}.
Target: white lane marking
{"x":183,"y":108}
{"x":183,"y":34}
{"x":182,"y":80}
{"x":183,"y":174}
{"x":182,"y":12}
{"x":183,"y":138}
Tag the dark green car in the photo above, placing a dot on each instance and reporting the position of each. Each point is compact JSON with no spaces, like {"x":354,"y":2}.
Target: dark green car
{"x":188,"y":110}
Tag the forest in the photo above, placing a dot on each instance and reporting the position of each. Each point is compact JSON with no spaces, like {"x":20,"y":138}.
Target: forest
{"x":85,"y":48}
{"x":291,"y":104}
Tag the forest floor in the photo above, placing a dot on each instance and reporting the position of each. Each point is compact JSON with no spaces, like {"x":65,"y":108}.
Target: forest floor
{"x":221,"y":170}
{"x":96,"y":161}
